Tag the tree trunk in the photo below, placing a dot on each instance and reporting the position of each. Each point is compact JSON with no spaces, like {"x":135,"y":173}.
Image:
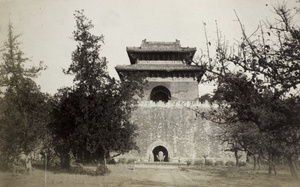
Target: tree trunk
{"x":256,"y":161}
{"x":205,"y":156}
{"x":104,"y":159}
{"x":65,"y":160}
{"x":236,"y":157}
{"x":46,"y":158}
{"x":7,"y":163}
{"x":293,"y":167}
{"x":28,"y":163}
{"x":272,"y":167}
{"x":14,"y":167}
{"x":247,"y":158}
{"x":296,"y":161}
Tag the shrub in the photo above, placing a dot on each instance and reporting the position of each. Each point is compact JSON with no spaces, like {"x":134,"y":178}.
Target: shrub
{"x":122,"y":161}
{"x":188,"y":162}
{"x":18,"y":169}
{"x":219,"y":163}
{"x":77,"y":170}
{"x":112,"y":161}
{"x":198,"y":162}
{"x":242,"y":164}
{"x":209,"y":162}
{"x":230,"y":163}
{"x":131,"y":161}
{"x":102,"y":170}
{"x":183,"y":169}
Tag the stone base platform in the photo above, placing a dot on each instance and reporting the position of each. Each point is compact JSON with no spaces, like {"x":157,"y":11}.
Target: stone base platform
{"x":158,"y":165}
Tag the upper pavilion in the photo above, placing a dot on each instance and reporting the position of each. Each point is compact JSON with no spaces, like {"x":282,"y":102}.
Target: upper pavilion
{"x":169,"y":70}
{"x":161,"y":59}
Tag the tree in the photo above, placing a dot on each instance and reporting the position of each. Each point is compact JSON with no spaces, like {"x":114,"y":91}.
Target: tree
{"x":264,"y":92}
{"x":92,"y":119}
{"x":23,"y":106}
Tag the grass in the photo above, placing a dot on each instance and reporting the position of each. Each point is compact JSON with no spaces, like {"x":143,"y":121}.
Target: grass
{"x":240,"y":176}
{"x":126,"y":175}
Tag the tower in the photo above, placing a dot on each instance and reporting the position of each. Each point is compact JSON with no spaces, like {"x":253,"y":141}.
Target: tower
{"x":170,"y":73}
{"x":169,"y":130}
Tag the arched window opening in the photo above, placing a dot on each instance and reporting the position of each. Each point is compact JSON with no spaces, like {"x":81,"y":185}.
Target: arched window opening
{"x":160,"y":93}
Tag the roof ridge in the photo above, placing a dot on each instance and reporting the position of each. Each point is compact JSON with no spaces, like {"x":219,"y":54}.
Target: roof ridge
{"x":150,"y":44}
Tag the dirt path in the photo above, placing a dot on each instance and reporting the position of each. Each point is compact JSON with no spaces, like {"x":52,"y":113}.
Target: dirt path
{"x":126,"y":175}
{"x":159,"y":177}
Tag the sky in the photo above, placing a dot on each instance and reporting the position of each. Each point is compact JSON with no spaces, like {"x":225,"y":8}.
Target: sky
{"x":46,"y":27}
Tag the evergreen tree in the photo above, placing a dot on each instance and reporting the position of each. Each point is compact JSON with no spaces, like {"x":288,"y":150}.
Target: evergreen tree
{"x":92,"y":119}
{"x":23,"y":106}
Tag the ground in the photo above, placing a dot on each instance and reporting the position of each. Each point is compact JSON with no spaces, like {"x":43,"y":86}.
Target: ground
{"x":126,"y":175}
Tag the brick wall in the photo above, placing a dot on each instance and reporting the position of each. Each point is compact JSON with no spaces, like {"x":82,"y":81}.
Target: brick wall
{"x":178,"y":128}
{"x":180,"y":88}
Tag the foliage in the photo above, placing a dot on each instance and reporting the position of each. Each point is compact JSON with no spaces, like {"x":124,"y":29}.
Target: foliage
{"x":102,"y":170}
{"x":92,"y":118}
{"x":259,"y":104}
{"x":24,"y":109}
{"x":205,"y":98}
{"x":219,"y":163}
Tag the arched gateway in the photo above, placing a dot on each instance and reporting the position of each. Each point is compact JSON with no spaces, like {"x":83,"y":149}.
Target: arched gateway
{"x":156,"y":147}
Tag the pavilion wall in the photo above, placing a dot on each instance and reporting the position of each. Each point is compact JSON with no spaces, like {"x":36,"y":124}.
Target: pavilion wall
{"x":176,"y":126}
{"x":181,"y":88}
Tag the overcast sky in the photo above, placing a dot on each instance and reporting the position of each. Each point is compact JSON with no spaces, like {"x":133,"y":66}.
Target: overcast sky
{"x":46,"y":27}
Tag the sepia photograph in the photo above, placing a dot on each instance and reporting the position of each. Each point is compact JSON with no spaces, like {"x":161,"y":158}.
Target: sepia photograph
{"x":160,"y":93}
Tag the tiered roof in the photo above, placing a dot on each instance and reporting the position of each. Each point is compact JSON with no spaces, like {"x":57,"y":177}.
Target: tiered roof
{"x":160,"y":51}
{"x":157,"y":58}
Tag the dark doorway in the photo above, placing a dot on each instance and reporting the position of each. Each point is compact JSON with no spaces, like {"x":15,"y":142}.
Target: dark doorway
{"x":156,"y":151}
